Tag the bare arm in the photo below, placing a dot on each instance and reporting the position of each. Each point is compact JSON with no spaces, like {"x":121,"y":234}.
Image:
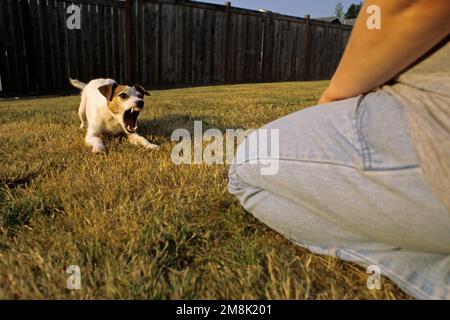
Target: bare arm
{"x":409,"y":29}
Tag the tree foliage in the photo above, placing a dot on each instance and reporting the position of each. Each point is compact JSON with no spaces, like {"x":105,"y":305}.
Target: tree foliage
{"x":353,"y":11}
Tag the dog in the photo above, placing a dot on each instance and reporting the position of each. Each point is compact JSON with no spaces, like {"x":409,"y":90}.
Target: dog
{"x":110,"y":109}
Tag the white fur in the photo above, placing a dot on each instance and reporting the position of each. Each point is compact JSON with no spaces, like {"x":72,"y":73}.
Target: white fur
{"x":100,"y":121}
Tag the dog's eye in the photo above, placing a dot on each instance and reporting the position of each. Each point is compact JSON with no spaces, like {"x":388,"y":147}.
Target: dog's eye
{"x":123,"y":95}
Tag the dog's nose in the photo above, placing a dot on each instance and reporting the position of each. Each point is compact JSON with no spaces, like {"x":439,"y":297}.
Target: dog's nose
{"x":140,"y":104}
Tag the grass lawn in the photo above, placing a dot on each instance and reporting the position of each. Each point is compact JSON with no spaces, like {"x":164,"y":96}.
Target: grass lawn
{"x":139,"y":226}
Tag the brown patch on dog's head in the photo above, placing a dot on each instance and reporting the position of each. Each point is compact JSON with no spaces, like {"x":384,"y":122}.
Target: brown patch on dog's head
{"x":119,"y":96}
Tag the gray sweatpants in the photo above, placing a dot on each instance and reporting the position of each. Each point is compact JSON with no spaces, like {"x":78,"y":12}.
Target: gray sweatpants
{"x":349,"y":185}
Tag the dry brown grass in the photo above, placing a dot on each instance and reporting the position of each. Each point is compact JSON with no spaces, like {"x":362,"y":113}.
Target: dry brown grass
{"x":139,"y":226}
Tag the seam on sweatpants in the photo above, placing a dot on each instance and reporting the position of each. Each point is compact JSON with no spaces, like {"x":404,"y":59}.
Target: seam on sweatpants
{"x":360,"y":112}
{"x":319,"y":162}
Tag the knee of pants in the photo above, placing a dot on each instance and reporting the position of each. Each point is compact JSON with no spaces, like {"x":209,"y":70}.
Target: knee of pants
{"x":242,"y":190}
{"x":243,"y":176}
{"x":257,"y":156}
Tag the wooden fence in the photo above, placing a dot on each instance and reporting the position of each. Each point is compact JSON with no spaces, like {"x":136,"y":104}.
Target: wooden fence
{"x":159,"y":42}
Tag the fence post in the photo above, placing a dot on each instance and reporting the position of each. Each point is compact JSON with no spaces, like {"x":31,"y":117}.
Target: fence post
{"x":128,"y":43}
{"x":307,"y":48}
{"x":159,"y":37}
{"x":227,"y":33}
{"x":263,"y":48}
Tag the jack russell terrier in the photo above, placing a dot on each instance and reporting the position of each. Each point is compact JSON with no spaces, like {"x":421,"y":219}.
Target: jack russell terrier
{"x":109,"y":109}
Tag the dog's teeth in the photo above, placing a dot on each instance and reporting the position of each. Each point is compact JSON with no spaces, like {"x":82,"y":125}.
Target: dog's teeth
{"x":132,"y":110}
{"x":131,"y":129}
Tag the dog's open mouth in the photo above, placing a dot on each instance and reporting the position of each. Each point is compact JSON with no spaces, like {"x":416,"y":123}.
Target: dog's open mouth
{"x":130,"y":119}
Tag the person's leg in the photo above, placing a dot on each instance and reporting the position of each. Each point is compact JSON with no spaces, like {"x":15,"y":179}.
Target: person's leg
{"x":349,"y":184}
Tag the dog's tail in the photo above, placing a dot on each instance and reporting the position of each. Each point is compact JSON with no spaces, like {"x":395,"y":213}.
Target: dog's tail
{"x":77,"y":83}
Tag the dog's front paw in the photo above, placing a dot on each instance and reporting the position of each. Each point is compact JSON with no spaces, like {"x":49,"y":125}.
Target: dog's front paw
{"x":152,"y":146}
{"x":99,"y":150}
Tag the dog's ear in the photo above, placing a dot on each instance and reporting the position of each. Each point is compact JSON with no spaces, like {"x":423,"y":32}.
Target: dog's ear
{"x":140,"y":89}
{"x":108,"y":90}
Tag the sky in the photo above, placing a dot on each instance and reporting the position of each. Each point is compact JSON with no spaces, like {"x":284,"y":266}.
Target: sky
{"x":299,"y":8}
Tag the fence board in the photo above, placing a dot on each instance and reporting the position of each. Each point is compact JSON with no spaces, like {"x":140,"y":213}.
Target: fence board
{"x":11,"y":53}
{"x":21,"y":47}
{"x":4,"y":65}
